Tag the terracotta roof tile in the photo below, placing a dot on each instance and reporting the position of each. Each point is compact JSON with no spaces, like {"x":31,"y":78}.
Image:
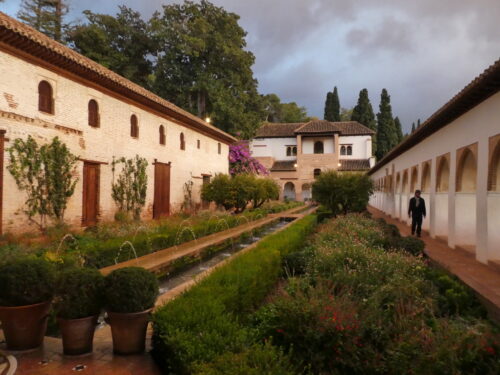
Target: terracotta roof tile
{"x":21,"y":36}
{"x":354,"y":165}
{"x":283,"y":165}
{"x":281,"y":130}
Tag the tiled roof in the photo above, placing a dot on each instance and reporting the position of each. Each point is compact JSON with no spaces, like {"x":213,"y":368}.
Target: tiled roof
{"x":480,"y":89}
{"x":284,"y":165}
{"x":29,"y":41}
{"x":354,"y":165}
{"x":282,"y":130}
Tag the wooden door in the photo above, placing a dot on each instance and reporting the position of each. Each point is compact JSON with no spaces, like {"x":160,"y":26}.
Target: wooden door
{"x":90,"y":207}
{"x":161,"y":205}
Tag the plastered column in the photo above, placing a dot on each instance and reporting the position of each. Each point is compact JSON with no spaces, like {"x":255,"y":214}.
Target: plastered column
{"x":451,"y":199}
{"x":432,"y":200}
{"x":482,"y":201}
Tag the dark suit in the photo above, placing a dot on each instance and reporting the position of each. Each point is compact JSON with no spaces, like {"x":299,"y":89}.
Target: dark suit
{"x":417,"y":213}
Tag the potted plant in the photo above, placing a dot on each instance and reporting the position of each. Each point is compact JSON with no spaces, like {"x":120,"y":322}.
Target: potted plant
{"x":130,"y":294}
{"x":77,"y":303}
{"x":26,"y":289}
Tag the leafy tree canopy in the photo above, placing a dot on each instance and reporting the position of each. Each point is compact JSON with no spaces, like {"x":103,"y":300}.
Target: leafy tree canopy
{"x":46,"y":16}
{"x":276,"y":111}
{"x":387,"y":136}
{"x":332,"y":106}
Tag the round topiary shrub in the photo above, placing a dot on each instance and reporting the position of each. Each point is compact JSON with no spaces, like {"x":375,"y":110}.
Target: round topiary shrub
{"x":78,"y":293}
{"x":130,"y":289}
{"x":412,"y":245}
{"x":26,"y":281}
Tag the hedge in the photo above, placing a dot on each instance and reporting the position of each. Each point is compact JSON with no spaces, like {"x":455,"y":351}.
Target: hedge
{"x":206,"y":322}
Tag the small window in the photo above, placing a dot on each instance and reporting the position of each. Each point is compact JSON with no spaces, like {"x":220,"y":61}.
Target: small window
{"x":288,"y":151}
{"x":318,"y":147}
{"x":317,"y":172}
{"x":134,"y":127}
{"x":182,"y":142}
{"x":219,"y":148}
{"x":294,"y":151}
{"x":198,"y":144}
{"x":93,"y":113}
{"x":349,"y":150}
{"x":342,"y":150}
{"x":45,"y":100}
{"x":162,"y":135}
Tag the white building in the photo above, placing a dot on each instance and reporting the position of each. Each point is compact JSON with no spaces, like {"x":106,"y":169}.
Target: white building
{"x":454,"y":158}
{"x":295,"y":153}
{"x":48,"y":90}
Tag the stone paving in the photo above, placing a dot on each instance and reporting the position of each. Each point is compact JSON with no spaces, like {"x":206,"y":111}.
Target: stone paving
{"x":483,"y":279}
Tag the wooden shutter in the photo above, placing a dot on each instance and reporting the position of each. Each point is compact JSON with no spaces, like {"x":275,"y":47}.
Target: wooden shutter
{"x":93,"y":113}
{"x":134,"y":127}
{"x":45,"y":102}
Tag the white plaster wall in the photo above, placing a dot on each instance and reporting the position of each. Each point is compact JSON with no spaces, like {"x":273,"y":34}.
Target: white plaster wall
{"x":112,"y":139}
{"x":477,"y":125}
{"x":494,"y":225}
{"x":465,"y":219}
{"x":441,"y":212}
{"x":361,"y":146}
{"x":308,"y":144}
{"x":425,"y":221}
{"x":273,"y":147}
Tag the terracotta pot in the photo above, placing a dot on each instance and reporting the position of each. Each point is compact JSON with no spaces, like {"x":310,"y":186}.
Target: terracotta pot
{"x":77,"y":334}
{"x":24,"y":326}
{"x":129,"y":331}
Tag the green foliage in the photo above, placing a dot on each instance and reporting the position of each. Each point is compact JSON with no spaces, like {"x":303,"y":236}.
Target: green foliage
{"x":46,"y":175}
{"x":283,"y":112}
{"x":412,"y":245}
{"x":78,"y":293}
{"x":296,"y":263}
{"x":219,"y":191}
{"x":399,"y":129}
{"x":188,"y":204}
{"x":45,"y":16}
{"x":129,"y":290}
{"x":363,"y":113}
{"x":387,"y":136}
{"x":129,"y":190}
{"x":205,"y":322}
{"x":26,"y":281}
{"x":342,"y":192}
{"x":264,"y":190}
{"x":332,"y":106}
{"x":121,"y":43}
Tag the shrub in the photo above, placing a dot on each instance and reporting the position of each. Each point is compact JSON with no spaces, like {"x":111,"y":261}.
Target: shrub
{"x":264,"y":190}
{"x":412,"y":245}
{"x":342,"y":192}
{"x":219,"y":190}
{"x":26,"y":281}
{"x":130,"y":289}
{"x":296,"y":263}
{"x":78,"y":293}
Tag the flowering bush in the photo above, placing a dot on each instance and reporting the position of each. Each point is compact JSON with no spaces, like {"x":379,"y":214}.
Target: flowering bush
{"x":241,"y":161}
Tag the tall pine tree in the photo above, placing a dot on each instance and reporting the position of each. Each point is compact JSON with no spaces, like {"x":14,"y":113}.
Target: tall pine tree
{"x":412,"y":128}
{"x":386,"y":131}
{"x":363,"y":113}
{"x":399,"y":129}
{"x":46,"y":16}
{"x":332,"y":106}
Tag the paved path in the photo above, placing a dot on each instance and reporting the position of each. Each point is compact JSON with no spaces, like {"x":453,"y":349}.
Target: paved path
{"x":483,"y":279}
{"x":160,"y":260}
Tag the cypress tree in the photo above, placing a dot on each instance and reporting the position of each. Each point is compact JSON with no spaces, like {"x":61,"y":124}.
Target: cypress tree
{"x":412,"y":128}
{"x":45,"y":16}
{"x":418,"y":123}
{"x":399,"y":129}
{"x":386,"y":131}
{"x":332,"y":106}
{"x":363,"y":113}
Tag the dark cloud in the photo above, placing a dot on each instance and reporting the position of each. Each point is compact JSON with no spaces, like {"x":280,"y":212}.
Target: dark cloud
{"x":422,"y":51}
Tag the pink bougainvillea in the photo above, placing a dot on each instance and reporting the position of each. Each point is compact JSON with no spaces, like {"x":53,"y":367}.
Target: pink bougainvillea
{"x":241,"y":160}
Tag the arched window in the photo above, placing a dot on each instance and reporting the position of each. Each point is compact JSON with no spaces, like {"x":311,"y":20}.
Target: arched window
{"x":426,"y":178}
{"x":405,"y":182}
{"x":294,"y":151}
{"x":182,"y":142}
{"x":414,"y":179}
{"x":442,"y":175}
{"x":466,"y":173}
{"x":219,"y":148}
{"x":93,"y":113}
{"x":162,"y":135}
{"x":134,"y":127}
{"x":45,"y":100}
{"x":342,"y":150}
{"x":288,"y":151}
{"x":349,"y":150}
{"x":494,"y":172}
{"x":398,"y":182}
{"x":289,"y":191}
{"x":318,"y":147}
{"x":316,"y":172}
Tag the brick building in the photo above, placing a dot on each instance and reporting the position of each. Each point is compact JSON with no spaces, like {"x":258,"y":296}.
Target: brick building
{"x":295,"y":153}
{"x":48,"y":90}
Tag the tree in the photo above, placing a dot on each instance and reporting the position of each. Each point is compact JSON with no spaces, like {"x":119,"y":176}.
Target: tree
{"x":399,"y":129}
{"x":121,"y":43}
{"x":263,"y":190}
{"x":203,"y":65}
{"x":346,"y":114}
{"x":276,"y":111}
{"x":386,"y":130}
{"x":219,"y":191}
{"x":412,"y":128}
{"x":363,"y":113}
{"x":242,"y":162}
{"x":46,"y":16}
{"x":129,"y":190}
{"x":342,"y":193}
{"x":46,"y":175}
{"x":332,"y":106}
{"x":418,"y":123}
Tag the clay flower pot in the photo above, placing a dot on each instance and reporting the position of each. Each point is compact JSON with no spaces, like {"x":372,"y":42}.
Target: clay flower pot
{"x":129,"y":331}
{"x":77,"y":334}
{"x":24,"y":327}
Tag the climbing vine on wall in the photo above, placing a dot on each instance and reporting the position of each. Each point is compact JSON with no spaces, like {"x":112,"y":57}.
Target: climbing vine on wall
{"x":129,"y":190}
{"x":46,"y":174}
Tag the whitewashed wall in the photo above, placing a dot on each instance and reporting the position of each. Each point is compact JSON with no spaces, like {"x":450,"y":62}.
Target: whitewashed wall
{"x":361,"y":146}
{"x":308,"y":144}
{"x":272,"y":147}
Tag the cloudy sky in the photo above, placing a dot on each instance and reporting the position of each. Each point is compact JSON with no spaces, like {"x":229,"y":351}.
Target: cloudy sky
{"x":422,"y":51}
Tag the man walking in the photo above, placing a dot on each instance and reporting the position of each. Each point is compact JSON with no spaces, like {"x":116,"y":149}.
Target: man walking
{"x":416,"y":210}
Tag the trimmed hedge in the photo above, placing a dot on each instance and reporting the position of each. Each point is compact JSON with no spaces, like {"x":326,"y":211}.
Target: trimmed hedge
{"x":205,"y":322}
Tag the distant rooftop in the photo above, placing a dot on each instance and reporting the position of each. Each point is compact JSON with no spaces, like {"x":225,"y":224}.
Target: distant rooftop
{"x":285,"y":130}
